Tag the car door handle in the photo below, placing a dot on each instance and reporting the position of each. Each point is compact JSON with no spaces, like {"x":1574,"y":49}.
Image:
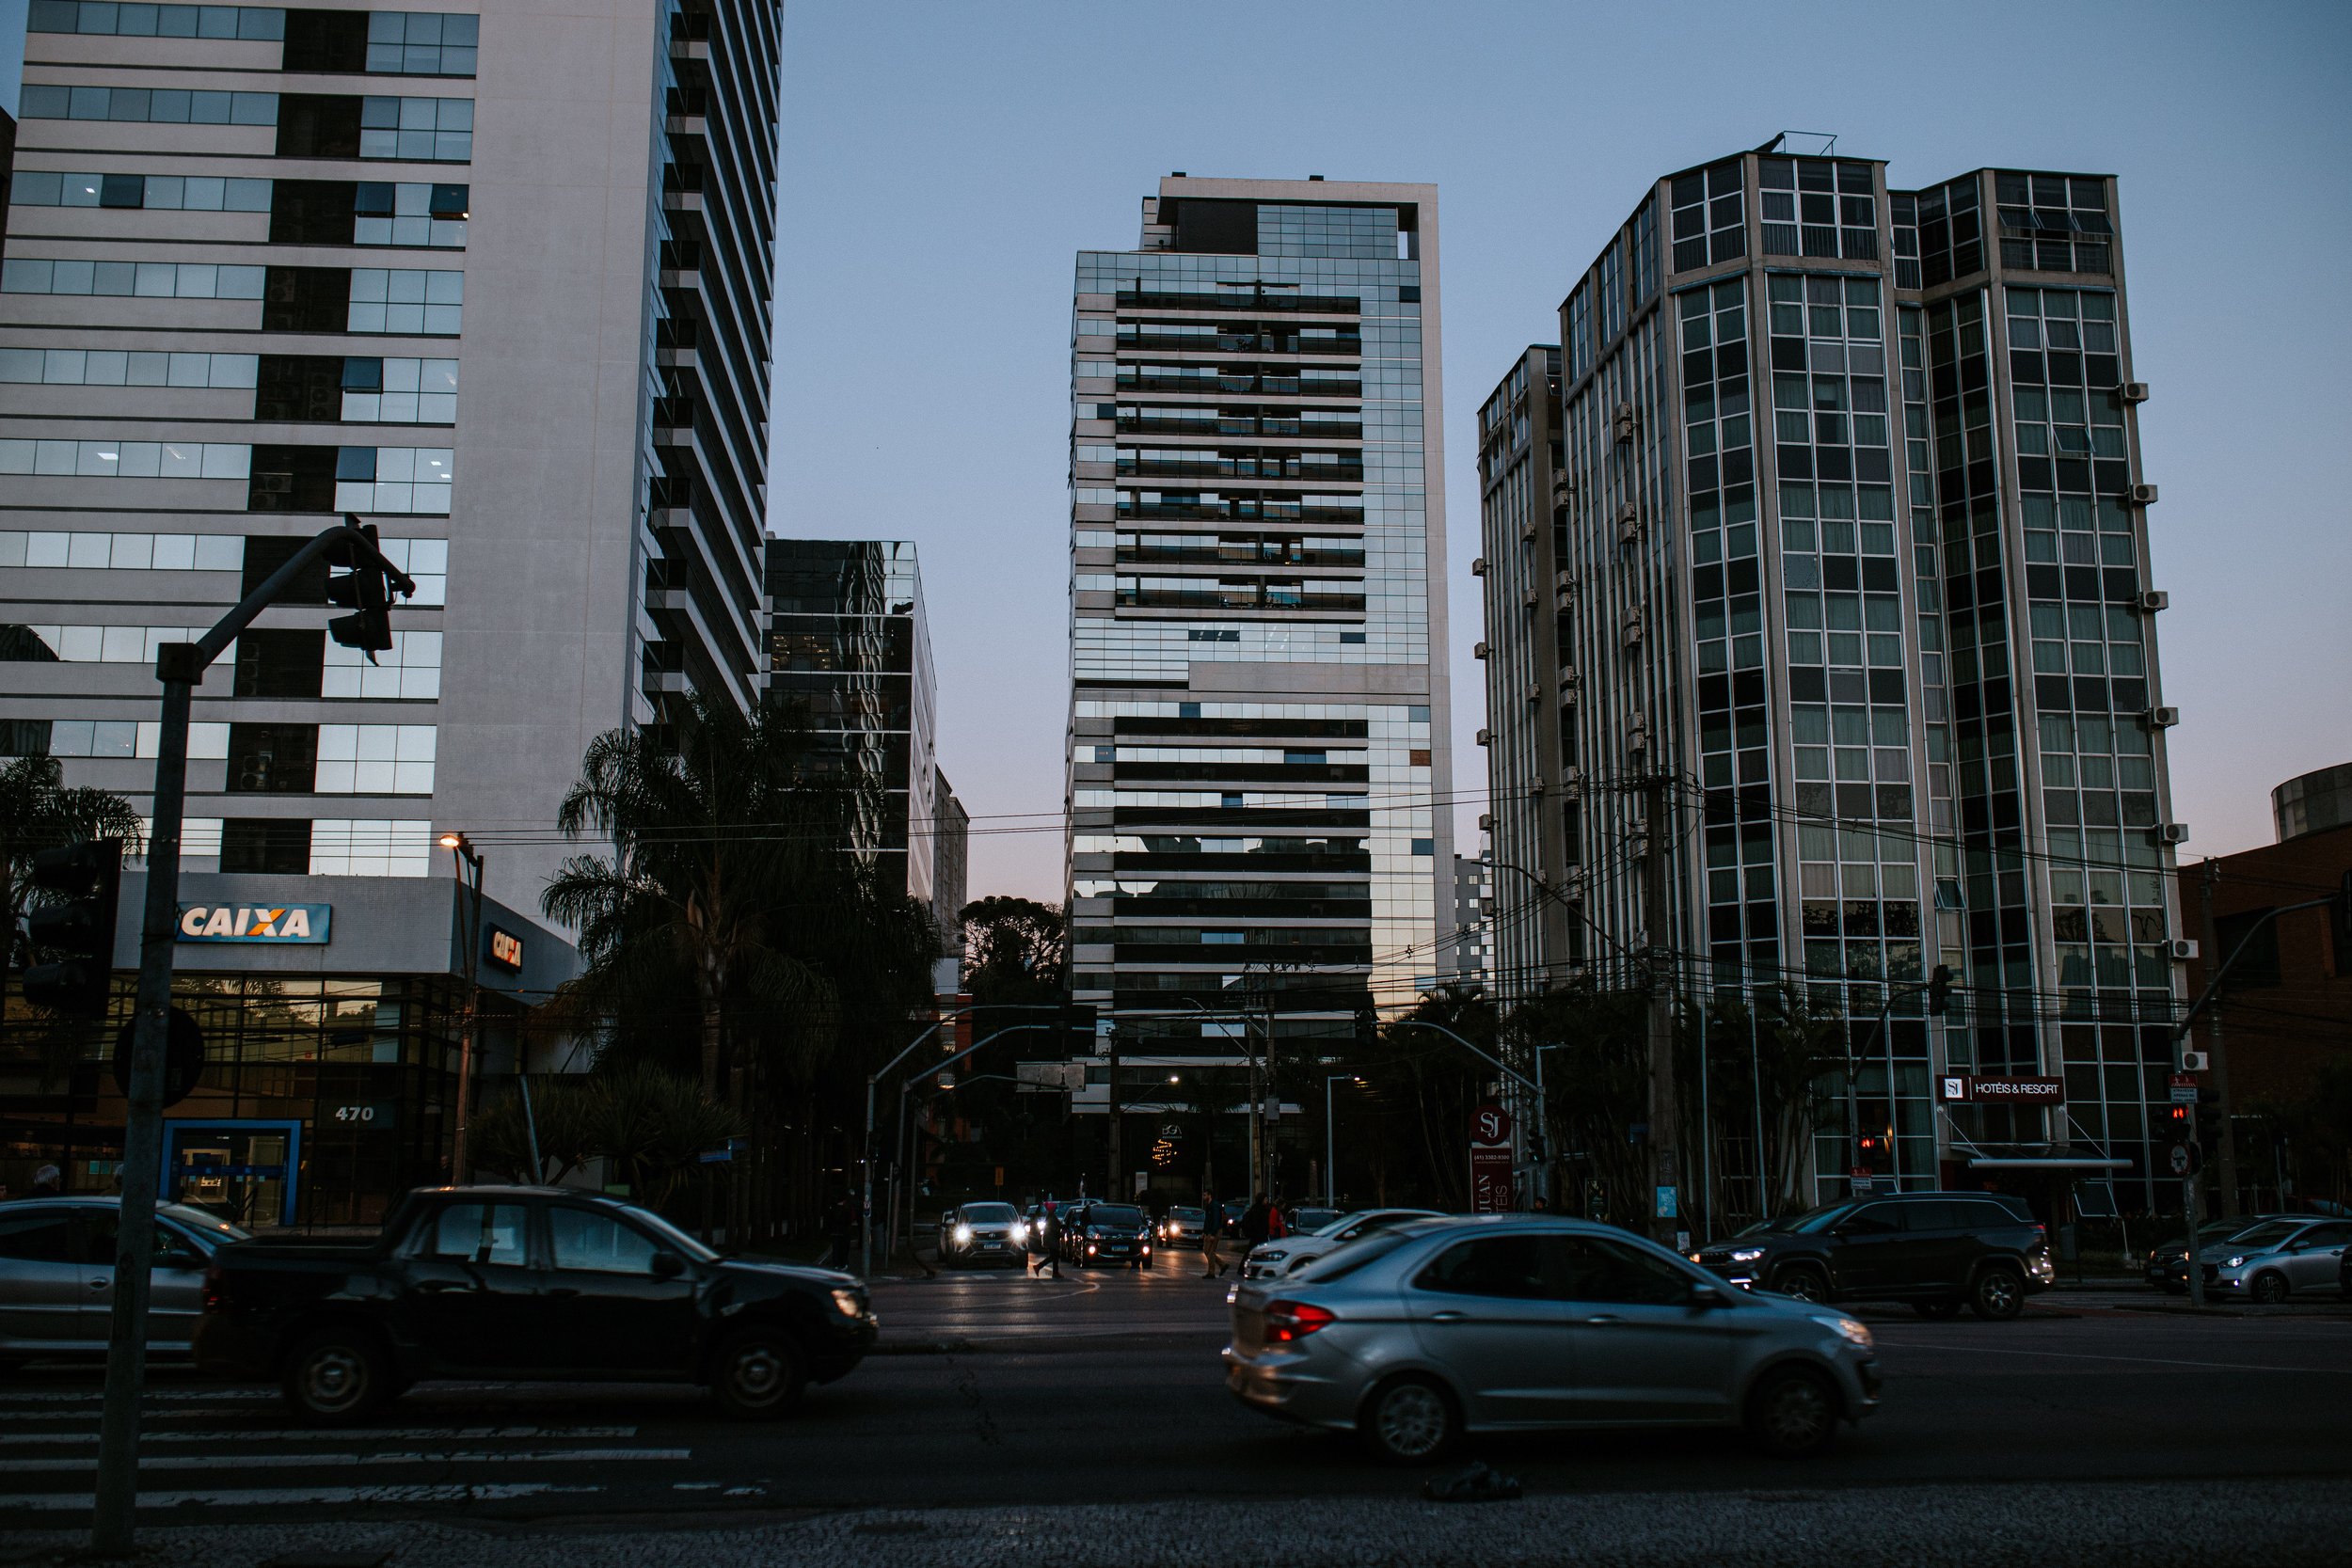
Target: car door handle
{"x":101,"y":1282}
{"x":1447,"y":1317}
{"x":1604,"y":1318}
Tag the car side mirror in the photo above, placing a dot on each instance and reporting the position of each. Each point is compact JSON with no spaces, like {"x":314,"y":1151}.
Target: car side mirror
{"x":1707,"y":1297}
{"x":668,"y":1265}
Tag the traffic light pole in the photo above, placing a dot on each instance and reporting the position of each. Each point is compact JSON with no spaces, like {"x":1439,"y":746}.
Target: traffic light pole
{"x":180,"y":666}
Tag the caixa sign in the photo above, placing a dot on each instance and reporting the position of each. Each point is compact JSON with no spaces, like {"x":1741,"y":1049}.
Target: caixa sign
{"x":505,"y":949}
{"x":280,"y":923}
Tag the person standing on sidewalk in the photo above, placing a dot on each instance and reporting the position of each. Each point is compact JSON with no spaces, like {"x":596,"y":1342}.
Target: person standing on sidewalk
{"x":1212,"y":1226}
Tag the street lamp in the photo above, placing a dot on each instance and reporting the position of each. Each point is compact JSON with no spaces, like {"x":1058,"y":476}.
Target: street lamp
{"x":469,"y":861}
{"x":1331,"y":1144}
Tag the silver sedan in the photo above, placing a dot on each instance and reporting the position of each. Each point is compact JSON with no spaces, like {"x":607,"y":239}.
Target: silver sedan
{"x":1415,"y":1336}
{"x":57,"y":1272}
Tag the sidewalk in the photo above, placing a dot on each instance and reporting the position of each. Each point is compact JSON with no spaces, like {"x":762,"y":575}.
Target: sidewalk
{"x":2282,"y":1525}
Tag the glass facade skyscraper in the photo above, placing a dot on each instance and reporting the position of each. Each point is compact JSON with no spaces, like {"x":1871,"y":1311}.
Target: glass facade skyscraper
{"x":1259,"y":788}
{"x":1850,"y":541}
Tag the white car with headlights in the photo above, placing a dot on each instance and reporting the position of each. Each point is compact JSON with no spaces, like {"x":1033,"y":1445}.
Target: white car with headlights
{"x":1415,"y":1336}
{"x":1289,"y":1254}
{"x":980,"y":1233}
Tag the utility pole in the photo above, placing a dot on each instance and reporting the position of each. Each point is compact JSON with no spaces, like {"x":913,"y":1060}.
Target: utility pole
{"x":1665,"y":1154}
{"x":2219,"y":1061}
{"x":1119,"y":1179}
{"x":469,"y":877}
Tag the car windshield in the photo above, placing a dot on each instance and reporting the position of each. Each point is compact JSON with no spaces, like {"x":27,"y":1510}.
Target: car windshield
{"x":1114,"y":1214}
{"x":2265,"y":1236}
{"x":1191,"y":1217}
{"x":987,"y":1213}
{"x":668,"y":1234}
{"x":1814,"y":1220}
{"x":1311,"y":1221}
{"x":215,"y":1230}
{"x":1339,"y":1225}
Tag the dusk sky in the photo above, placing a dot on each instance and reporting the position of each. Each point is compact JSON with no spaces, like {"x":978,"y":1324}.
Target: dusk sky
{"x":943,"y":163}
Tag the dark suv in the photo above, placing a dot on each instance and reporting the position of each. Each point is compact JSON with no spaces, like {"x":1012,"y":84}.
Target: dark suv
{"x":1938,"y":1251}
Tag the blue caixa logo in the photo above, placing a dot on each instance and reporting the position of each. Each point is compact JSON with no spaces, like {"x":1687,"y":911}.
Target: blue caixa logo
{"x":278,"y":923}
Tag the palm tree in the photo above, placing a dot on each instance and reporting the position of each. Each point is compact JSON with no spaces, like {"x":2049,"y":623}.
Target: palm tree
{"x":38,"y":812}
{"x":732,"y":879}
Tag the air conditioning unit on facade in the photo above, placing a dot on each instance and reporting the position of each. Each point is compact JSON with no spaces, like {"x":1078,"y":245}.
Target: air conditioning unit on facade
{"x":1535,"y":692}
{"x":2150,"y":600}
{"x":2143,"y":494}
{"x":2170,"y":833}
{"x":1536,"y":790}
{"x":1571,"y":778}
{"x":1629,"y":523}
{"x":1485,"y":737}
{"x":2182,"y":948}
{"x":1527,"y":531}
{"x":1624,"y":421}
{"x":1637,"y":736}
{"x":1569,"y":677}
{"x":2133,"y":391}
{"x":1633,"y":627}
{"x":2160,"y":718}
{"x":1564,"y":582}
{"x":2195,"y":1061}
{"x":1531,"y":599}
{"x":1485,"y":819}
{"x":1478,"y":567}
{"x":1478,"y":650}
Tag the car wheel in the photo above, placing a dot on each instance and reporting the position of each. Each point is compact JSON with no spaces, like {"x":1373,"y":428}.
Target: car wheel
{"x":1804,"y":1283}
{"x":2269,"y":1289}
{"x":338,"y":1374}
{"x":757,"y":1375}
{"x":1999,"y":1295}
{"x":1792,"y":1414}
{"x":1410,"y":1420}
{"x":1939,"y":1311}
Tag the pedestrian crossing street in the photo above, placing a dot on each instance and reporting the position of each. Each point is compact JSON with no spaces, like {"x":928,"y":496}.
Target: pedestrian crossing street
{"x":225,"y":1450}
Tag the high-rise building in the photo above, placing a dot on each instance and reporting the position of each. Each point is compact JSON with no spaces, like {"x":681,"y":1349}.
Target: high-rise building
{"x":1848,"y":542}
{"x":495,"y":280}
{"x":850,"y":651}
{"x":1258,"y":791}
{"x":1471,"y":944}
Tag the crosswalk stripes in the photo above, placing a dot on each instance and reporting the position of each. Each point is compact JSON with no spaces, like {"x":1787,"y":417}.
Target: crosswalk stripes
{"x":49,"y":1456}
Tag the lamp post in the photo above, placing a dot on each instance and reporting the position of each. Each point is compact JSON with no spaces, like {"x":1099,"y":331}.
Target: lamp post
{"x":1330,"y":1143}
{"x":468,"y":861}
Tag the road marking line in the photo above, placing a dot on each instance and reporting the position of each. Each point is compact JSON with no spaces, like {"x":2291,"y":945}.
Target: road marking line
{"x":335,"y":1434}
{"x":78,"y":1502}
{"x":309,"y":1461}
{"x":2139,"y":1360}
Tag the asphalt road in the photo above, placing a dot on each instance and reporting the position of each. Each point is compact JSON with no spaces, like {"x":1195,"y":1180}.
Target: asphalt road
{"x":999,"y":1391}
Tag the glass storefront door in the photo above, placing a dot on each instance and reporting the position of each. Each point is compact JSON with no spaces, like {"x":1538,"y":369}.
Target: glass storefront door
{"x":247,"y":1172}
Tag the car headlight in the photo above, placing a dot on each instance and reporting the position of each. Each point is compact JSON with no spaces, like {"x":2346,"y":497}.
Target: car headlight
{"x":963,"y":1235}
{"x":1746,"y":1253}
{"x":1854,"y":1333}
{"x":1272,"y":1256}
{"x":847,"y":1304}
{"x":2234,"y":1263}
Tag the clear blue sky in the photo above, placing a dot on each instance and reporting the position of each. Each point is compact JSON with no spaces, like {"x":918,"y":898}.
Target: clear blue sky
{"x":942,"y":162}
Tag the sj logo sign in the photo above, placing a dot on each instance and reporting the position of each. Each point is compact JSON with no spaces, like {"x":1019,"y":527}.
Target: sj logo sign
{"x":281,"y":922}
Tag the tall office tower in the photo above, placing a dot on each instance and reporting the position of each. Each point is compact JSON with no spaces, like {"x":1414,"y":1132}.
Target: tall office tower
{"x":1259,"y":787}
{"x":850,"y":651}
{"x":1531,"y":821}
{"x":494,"y":278}
{"x":1851,"y":544}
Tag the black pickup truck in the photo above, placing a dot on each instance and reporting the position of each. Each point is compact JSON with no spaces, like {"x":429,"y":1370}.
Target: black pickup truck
{"x":541,"y":1283}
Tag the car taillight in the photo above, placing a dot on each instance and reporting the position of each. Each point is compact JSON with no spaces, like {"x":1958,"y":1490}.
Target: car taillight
{"x":216,"y":1288}
{"x":1286,"y":1320}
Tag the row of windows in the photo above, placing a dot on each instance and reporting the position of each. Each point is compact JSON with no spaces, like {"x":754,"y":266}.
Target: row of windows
{"x":390,"y":301}
{"x":106,"y":459}
{"x":413,"y":130}
{"x":161,"y":191}
{"x":322,"y":846}
{"x":104,"y":17}
{"x":424,"y":560}
{"x":144,"y":279}
{"x":75,"y":367}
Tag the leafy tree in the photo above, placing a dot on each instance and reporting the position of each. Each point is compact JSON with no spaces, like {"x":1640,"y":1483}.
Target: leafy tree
{"x":38,"y":812}
{"x":651,"y":1125}
{"x":1797,"y":1071}
{"x":1015,"y":950}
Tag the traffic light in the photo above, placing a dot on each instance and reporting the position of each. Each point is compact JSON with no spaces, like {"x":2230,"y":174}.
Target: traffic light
{"x":79,"y":929}
{"x":2180,"y":1121}
{"x":358,"y":583}
{"x":2208,"y":1122}
{"x":1940,"y":990}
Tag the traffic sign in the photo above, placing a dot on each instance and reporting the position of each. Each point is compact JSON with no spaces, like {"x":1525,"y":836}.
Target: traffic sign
{"x":2186,"y":1159}
{"x":1490,"y":1124}
{"x":2183,"y":1089}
